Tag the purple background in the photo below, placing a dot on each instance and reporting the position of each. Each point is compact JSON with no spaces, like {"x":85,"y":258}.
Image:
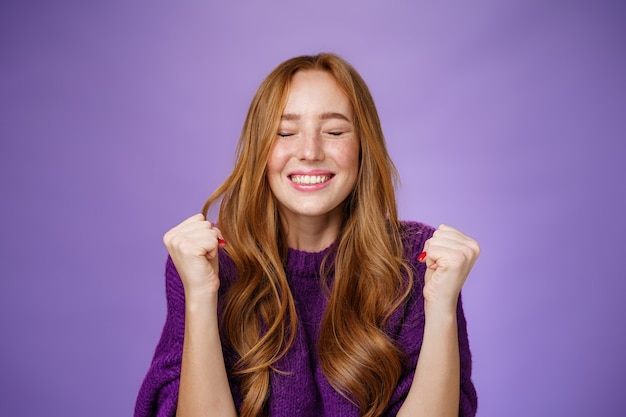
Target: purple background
{"x":506,"y":119}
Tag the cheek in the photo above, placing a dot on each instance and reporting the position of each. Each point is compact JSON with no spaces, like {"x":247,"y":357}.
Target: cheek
{"x":348,"y":156}
{"x":276,"y":165}
{"x":276,"y":160}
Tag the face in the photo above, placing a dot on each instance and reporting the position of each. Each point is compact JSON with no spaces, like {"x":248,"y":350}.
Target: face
{"x":314,"y":160}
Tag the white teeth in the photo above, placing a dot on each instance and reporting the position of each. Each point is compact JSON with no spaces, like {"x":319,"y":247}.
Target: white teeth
{"x":309,"y":179}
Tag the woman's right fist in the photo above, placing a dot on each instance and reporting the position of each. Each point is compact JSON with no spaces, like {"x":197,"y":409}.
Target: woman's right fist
{"x":193,"y":246}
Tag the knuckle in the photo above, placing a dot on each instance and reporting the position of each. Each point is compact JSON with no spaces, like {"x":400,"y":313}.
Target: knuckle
{"x":475,"y":247}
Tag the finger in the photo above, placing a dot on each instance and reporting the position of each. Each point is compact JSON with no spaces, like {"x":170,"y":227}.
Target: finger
{"x":189,"y":224}
{"x":459,"y":236}
{"x":221,"y":242}
{"x":450,"y":233}
{"x":450,"y":242}
{"x":452,"y":249}
{"x":193,"y":236}
{"x":454,"y":235}
{"x":446,"y":252}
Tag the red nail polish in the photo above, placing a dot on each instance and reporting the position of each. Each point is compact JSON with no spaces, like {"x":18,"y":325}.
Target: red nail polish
{"x":221,"y":242}
{"x":421,"y":257}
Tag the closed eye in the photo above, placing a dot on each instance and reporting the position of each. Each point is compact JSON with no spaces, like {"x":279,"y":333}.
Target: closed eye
{"x":335,"y":132}
{"x":285,"y":134}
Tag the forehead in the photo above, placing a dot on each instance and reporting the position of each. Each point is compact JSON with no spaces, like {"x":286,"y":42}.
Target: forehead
{"x":314,"y":91}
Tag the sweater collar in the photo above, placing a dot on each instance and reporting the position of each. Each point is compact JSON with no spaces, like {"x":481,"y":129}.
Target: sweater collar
{"x":302,"y":263}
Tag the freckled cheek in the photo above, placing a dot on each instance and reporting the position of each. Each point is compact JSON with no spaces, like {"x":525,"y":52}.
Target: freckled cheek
{"x":347,"y":157}
{"x":277,"y":160}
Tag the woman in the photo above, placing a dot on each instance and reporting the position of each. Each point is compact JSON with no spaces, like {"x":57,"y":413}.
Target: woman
{"x":311,"y":298}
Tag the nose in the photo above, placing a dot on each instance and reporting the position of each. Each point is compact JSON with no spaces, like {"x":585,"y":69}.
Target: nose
{"x":311,"y":146}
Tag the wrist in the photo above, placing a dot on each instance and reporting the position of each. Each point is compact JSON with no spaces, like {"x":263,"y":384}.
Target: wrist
{"x":200,"y":300}
{"x":442,"y":310}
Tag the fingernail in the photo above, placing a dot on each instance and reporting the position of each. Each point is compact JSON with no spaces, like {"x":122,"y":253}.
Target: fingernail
{"x":421,"y":257}
{"x":221,"y":242}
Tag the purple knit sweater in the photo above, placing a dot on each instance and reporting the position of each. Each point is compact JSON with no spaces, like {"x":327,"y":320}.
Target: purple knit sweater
{"x":304,"y":391}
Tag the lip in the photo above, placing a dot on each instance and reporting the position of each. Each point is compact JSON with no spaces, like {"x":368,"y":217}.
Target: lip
{"x":312,"y":173}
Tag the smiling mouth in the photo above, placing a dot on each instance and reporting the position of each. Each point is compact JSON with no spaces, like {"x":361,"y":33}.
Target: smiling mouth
{"x":309,"y":179}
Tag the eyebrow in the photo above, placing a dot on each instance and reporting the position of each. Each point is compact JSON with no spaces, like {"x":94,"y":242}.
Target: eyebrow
{"x":323,"y":116}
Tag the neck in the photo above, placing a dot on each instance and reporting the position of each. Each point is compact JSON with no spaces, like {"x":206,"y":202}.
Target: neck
{"x":311,"y":234}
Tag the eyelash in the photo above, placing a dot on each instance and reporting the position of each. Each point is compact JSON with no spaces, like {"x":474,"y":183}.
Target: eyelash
{"x":332,"y":133}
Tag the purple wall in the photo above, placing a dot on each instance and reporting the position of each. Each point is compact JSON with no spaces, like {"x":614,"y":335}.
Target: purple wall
{"x":505,"y":119}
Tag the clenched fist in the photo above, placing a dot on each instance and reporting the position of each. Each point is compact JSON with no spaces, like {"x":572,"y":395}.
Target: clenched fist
{"x":449,"y":257}
{"x":193,"y":246}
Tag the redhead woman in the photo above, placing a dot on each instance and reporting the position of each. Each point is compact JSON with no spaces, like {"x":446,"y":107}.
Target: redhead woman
{"x":308,"y":296}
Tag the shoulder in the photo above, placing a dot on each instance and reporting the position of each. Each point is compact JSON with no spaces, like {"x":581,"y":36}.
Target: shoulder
{"x":416,"y":228}
{"x":406,"y":324}
{"x":414,"y":234}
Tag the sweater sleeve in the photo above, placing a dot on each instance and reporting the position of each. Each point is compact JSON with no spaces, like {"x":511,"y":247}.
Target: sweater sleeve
{"x":158,"y":395}
{"x":468,"y":401}
{"x":410,"y":331}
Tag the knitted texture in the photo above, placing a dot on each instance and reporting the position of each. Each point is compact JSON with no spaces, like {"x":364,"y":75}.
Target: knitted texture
{"x":302,"y":391}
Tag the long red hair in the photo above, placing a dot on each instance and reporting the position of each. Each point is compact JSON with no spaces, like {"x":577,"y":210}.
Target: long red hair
{"x":259,"y":318}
